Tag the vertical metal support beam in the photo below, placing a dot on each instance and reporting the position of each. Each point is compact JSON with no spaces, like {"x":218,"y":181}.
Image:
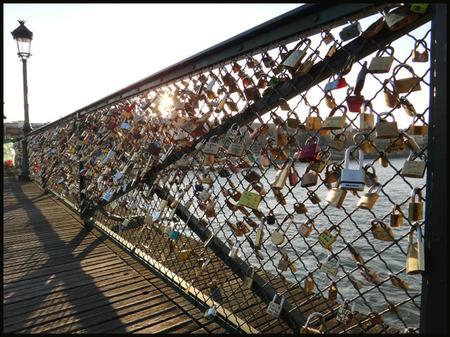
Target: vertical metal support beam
{"x":24,"y":169}
{"x":82,"y":195}
{"x":433,"y":315}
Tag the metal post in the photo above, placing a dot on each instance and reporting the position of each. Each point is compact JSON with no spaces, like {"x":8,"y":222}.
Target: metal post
{"x":24,"y":170}
{"x":433,"y":313}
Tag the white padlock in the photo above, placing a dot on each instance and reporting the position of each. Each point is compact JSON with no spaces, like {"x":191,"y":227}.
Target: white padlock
{"x":274,"y":308}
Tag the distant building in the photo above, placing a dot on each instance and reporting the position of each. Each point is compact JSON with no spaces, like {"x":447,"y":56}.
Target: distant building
{"x":13,"y":130}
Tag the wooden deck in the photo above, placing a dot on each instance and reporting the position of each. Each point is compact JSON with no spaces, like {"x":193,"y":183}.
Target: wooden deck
{"x":61,"y":278}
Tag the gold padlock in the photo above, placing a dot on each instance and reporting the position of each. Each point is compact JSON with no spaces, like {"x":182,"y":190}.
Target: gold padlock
{"x":412,"y":168}
{"x":336,"y":197}
{"x":381,"y":231}
{"x":309,"y":178}
{"x":362,"y":140}
{"x":408,"y":84}
{"x":396,"y":217}
{"x":306,"y":66}
{"x":420,"y":56}
{"x":306,"y":329}
{"x":415,"y":208}
{"x":306,"y":228}
{"x":419,"y":129}
{"x":313,"y":123}
{"x":385,"y":129}
{"x":366,"y":120}
{"x":329,"y":100}
{"x":415,"y":257}
{"x":338,"y":142}
{"x":292,"y":120}
{"x":335,"y":122}
{"x":332,"y":292}
{"x":390,"y":97}
{"x":368,"y":200}
{"x":308,"y":286}
{"x":282,"y":175}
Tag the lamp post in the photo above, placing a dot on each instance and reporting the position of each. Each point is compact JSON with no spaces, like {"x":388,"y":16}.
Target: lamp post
{"x":23,"y":37}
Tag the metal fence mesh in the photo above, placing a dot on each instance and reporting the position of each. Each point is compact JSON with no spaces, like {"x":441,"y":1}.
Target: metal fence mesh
{"x":330,"y":234}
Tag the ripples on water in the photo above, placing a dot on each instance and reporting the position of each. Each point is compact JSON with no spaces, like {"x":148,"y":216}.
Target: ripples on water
{"x":352,"y":228}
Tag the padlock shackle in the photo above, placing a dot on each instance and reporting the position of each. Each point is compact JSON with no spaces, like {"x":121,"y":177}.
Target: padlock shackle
{"x":313,"y":109}
{"x":388,"y":50}
{"x":347,"y":157}
{"x":376,"y":186}
{"x":402,"y":65}
{"x":420,"y":42}
{"x":311,"y":316}
{"x":416,"y":191}
{"x":339,"y":107}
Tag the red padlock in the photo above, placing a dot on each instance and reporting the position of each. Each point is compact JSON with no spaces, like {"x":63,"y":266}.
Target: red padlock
{"x":309,"y":151}
{"x":354,"y":102}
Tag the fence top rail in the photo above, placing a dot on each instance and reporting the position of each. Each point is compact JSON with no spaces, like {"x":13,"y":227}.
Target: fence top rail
{"x":301,"y":19}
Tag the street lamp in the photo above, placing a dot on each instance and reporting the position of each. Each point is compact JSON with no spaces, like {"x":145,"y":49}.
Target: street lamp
{"x":23,"y":37}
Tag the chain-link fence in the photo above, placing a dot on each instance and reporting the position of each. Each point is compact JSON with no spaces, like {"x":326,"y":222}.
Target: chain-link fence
{"x":283,"y":187}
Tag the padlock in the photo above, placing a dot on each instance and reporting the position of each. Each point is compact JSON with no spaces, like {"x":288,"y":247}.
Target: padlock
{"x":345,"y":314}
{"x":407,"y":106}
{"x":398,"y":282}
{"x":384,"y":161}
{"x":354,"y":102}
{"x":370,"y":178}
{"x":282,"y":137}
{"x":274,"y":309}
{"x":308,"y":285}
{"x":335,"y":122}
{"x":300,"y":208}
{"x":399,"y":18}
{"x":352,"y":179}
{"x":363,"y":141}
{"x":234,"y":250}
{"x":366,"y":120}
{"x":332,"y":174}
{"x":336,"y":197}
{"x":351,"y":31}
{"x":396,"y":216}
{"x":381,"y":231}
{"x":332,"y":292}
{"x":327,"y":36}
{"x":259,"y":235}
{"x":306,"y":329}
{"x":313,"y":123}
{"x":211,"y":313}
{"x":338,"y":142}
{"x":368,"y":199}
{"x":408,"y":84}
{"x":338,"y":82}
{"x":355,"y":253}
{"x":309,"y":151}
{"x":413,"y":168}
{"x":415,"y":257}
{"x":382,"y":64}
{"x":295,"y":56}
{"x":309,"y":178}
{"x":306,"y":228}
{"x":385,"y":129}
{"x":252,"y":93}
{"x":331,"y":50}
{"x":330,"y":101}
{"x":331,"y":265}
{"x":233,"y":132}
{"x":326,"y":239}
{"x":282,"y":175}
{"x":420,"y":8}
{"x":292,"y":120}
{"x":280,"y":198}
{"x":294,"y":178}
{"x":322,"y":160}
{"x":277,"y":237}
{"x":211,"y":147}
{"x":306,"y":65}
{"x":415,"y":208}
{"x":248,"y":278}
{"x":270,"y":218}
{"x":313,"y":197}
{"x":421,"y":130}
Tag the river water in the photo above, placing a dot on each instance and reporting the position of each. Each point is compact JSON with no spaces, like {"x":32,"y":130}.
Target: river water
{"x":355,"y":228}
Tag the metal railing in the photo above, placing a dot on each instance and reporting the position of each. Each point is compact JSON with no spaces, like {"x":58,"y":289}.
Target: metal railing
{"x":233,"y":172}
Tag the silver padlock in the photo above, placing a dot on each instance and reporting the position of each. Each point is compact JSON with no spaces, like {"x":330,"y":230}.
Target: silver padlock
{"x":331,"y":265}
{"x":274,"y":308}
{"x":345,"y":314}
{"x":353,"y":179}
{"x":211,"y":313}
{"x":234,"y":251}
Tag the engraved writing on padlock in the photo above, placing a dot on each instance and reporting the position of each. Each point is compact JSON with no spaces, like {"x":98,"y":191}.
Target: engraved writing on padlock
{"x":415,"y":207}
{"x":250,"y":199}
{"x":236,"y":149}
{"x":326,"y":239}
{"x":413,"y":168}
{"x":296,"y":55}
{"x":352,"y":179}
{"x":368,"y":199}
{"x":274,"y":309}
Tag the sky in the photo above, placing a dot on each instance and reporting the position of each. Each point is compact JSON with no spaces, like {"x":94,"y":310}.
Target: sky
{"x":83,"y":52}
